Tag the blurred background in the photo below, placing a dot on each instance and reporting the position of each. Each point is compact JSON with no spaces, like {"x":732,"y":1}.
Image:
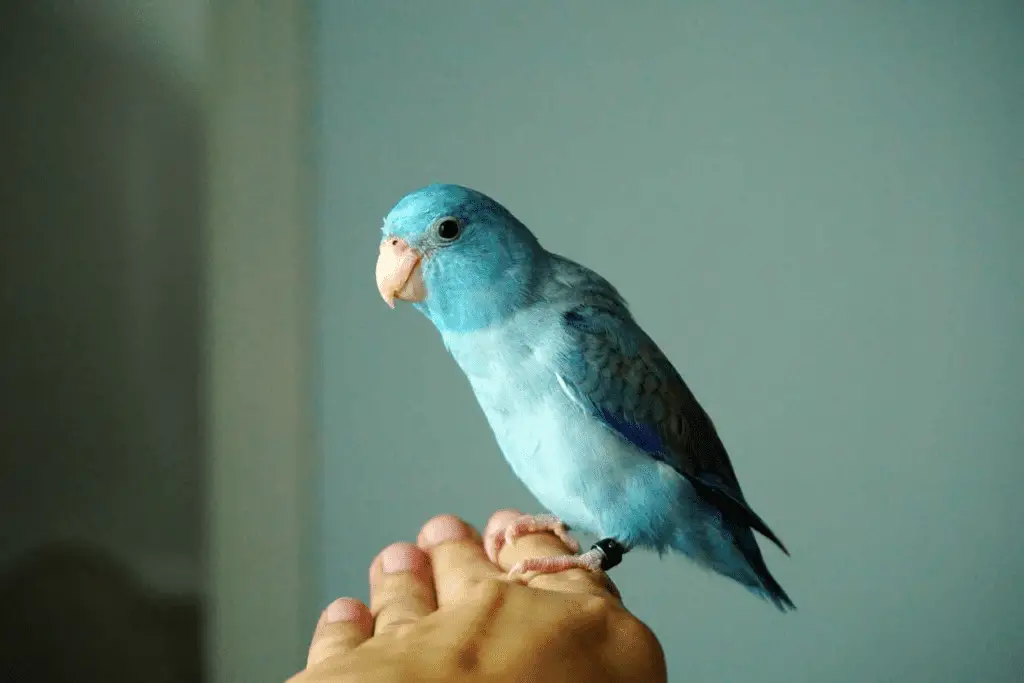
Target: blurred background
{"x":101,"y":460}
{"x":207,"y":427}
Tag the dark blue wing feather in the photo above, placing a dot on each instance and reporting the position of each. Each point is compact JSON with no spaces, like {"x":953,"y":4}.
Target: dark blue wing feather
{"x":616,"y":372}
{"x":644,"y":437}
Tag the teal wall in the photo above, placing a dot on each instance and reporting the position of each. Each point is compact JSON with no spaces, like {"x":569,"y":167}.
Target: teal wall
{"x":101,"y":213}
{"x":816,"y":210}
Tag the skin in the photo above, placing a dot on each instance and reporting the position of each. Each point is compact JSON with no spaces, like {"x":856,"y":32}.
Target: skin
{"x":441,"y":611}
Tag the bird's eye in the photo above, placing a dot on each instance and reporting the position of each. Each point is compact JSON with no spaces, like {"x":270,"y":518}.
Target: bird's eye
{"x":448,"y":229}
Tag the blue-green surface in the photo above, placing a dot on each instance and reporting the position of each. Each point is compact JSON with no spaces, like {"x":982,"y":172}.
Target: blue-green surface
{"x":816,"y":209}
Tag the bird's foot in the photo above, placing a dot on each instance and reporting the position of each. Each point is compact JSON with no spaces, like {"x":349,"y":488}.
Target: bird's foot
{"x":528,"y":524}
{"x":590,"y":560}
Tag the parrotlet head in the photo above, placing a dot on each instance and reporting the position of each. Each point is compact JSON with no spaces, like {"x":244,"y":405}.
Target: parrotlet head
{"x":459,"y":256}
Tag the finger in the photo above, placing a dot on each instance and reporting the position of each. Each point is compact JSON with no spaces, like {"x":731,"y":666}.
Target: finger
{"x":546,"y":544}
{"x":457,"y":557}
{"x":343,"y":626}
{"x":401,"y":587}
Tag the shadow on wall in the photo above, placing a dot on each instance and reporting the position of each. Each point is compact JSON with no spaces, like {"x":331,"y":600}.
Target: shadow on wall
{"x":100,"y":206}
{"x":73,"y":614}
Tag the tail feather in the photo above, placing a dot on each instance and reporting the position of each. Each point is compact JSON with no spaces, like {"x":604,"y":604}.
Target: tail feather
{"x":766,"y":587}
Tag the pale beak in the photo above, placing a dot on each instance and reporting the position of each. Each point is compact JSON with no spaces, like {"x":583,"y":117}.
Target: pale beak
{"x":398,"y":272}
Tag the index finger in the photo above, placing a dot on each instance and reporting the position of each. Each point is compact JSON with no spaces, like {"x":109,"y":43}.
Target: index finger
{"x":457,"y":557}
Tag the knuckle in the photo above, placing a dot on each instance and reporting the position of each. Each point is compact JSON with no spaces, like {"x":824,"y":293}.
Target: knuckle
{"x":597,"y":606}
{"x":462,"y":587}
{"x":397,"y":621}
{"x":392,"y":589}
{"x":637,"y":637}
{"x":634,"y":651}
{"x":489,"y":591}
{"x":594,"y":615}
{"x":577,"y":581}
{"x":487,"y":597}
{"x":333,"y":645}
{"x":392,"y":604}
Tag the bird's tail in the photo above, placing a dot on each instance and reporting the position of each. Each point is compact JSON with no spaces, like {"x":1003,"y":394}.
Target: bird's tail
{"x":758,"y":580}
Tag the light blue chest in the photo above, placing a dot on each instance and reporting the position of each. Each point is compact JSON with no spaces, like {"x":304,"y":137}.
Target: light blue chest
{"x":576,"y":467}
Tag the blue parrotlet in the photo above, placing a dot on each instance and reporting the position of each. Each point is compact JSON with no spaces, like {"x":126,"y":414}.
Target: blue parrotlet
{"x":587,"y":410}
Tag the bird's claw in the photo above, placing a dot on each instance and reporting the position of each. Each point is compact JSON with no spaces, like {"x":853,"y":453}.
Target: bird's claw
{"x":589,"y":561}
{"x":528,"y":524}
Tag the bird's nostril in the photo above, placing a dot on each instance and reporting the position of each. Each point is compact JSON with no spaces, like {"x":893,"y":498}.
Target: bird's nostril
{"x":394,"y":241}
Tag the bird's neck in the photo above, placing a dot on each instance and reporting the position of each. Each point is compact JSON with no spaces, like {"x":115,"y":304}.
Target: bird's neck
{"x":462,"y":307}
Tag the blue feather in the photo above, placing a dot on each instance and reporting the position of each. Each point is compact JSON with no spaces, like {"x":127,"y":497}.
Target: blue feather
{"x":587,"y":410}
{"x":644,"y":437}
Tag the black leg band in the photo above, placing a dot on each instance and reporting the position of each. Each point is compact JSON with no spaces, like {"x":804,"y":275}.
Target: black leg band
{"x":611,"y":552}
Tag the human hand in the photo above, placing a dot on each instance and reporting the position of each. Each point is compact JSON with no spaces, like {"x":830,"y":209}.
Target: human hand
{"x":440,"y":611}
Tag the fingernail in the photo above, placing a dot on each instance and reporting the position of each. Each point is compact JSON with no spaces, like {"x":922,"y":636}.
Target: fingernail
{"x":443,"y":529}
{"x":343,"y":609}
{"x":400,"y":557}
